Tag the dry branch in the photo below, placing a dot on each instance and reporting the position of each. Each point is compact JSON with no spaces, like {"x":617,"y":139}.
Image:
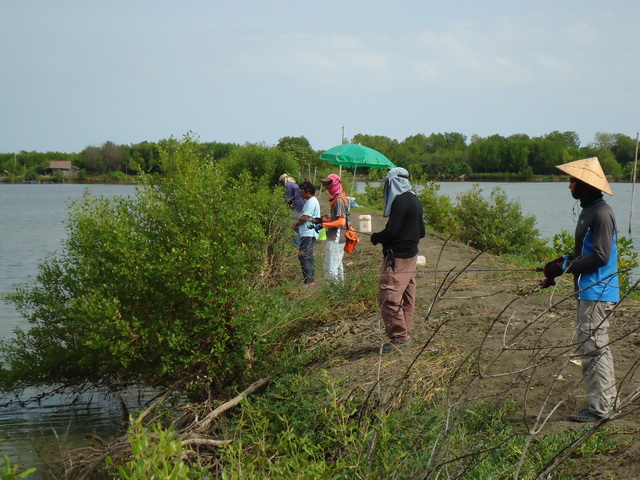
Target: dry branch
{"x":206,"y":422}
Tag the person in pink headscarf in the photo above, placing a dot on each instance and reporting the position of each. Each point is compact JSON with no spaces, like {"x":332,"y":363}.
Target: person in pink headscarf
{"x":336,"y":225}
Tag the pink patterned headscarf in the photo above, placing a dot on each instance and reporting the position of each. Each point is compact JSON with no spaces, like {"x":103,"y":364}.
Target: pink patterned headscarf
{"x":335,"y":187}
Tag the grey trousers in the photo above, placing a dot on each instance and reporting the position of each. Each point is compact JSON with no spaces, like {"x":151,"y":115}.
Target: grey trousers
{"x":598,"y":377}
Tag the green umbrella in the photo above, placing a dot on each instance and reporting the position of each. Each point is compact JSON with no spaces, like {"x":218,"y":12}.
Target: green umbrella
{"x":353,"y":155}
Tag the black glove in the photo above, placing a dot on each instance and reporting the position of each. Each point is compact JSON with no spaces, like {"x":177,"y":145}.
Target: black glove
{"x":316,"y":220}
{"x":547,"y":282}
{"x":554,"y":268}
{"x":375,"y":238}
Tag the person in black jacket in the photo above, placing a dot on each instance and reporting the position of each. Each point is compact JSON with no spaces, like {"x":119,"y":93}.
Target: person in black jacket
{"x":399,"y":239}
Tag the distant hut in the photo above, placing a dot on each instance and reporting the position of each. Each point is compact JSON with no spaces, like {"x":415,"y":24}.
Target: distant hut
{"x":63,"y":166}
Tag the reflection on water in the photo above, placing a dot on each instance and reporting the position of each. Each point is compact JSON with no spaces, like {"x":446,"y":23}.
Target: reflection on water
{"x":31,"y":225}
{"x":35,"y":434}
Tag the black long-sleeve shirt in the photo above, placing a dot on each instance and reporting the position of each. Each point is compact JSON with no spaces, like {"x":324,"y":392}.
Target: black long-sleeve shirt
{"x":404,"y":228}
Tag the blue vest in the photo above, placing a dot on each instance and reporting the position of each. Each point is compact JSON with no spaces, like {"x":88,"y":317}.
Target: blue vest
{"x":601,"y":285}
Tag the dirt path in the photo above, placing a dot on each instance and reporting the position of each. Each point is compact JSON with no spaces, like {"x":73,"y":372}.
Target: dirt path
{"x":496,"y":316}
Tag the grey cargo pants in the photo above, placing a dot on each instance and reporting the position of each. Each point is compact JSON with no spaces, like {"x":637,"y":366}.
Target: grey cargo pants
{"x":598,"y":377}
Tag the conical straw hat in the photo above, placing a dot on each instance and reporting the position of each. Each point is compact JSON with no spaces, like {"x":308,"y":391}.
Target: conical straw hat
{"x":589,"y":171}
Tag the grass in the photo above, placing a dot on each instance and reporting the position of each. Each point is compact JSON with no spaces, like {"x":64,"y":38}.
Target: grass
{"x":305,"y":428}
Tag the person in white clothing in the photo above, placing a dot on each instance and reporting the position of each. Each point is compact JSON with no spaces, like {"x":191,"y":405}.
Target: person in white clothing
{"x":335,"y":225}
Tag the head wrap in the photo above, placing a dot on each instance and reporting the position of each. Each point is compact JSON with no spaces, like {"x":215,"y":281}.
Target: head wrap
{"x":397,"y":183}
{"x":286,"y":178}
{"x":333,"y":185}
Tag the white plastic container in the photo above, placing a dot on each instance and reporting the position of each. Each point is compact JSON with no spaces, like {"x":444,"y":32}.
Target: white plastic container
{"x":365,"y":223}
{"x":422,"y":260}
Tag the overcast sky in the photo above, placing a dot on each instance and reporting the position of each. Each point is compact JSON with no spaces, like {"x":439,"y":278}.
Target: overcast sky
{"x":78,"y":73}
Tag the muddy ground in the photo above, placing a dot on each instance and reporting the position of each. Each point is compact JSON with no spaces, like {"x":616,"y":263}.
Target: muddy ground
{"x":519,"y":337}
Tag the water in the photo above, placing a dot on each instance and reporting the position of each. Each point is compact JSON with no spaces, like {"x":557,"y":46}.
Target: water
{"x":553,"y":206}
{"x":31,"y":225}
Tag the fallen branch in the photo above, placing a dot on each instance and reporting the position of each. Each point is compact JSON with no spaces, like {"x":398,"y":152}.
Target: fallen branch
{"x":204,"y":441}
{"x":166,"y":395}
{"x":208,"y":420}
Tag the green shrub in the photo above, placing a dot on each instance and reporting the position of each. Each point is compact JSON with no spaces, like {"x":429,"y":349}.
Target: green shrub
{"x":373,"y":196}
{"x":438,"y":209}
{"x":496,"y":224}
{"x":261,"y":163}
{"x":310,"y":428}
{"x":58,"y":177}
{"x":154,"y":288}
{"x":627,"y":262}
{"x":116,"y":176}
{"x":157,"y":453}
{"x":563,"y":243}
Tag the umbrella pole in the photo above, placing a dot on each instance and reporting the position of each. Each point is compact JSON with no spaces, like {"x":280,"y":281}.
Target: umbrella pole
{"x":353,"y":181}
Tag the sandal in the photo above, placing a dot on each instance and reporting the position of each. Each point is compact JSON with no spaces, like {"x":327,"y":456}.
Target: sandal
{"x":585,"y":415}
{"x":390,"y":347}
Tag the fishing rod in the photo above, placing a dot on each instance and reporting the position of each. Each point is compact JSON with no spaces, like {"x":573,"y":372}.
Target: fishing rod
{"x":536,"y":269}
{"x":506,"y":270}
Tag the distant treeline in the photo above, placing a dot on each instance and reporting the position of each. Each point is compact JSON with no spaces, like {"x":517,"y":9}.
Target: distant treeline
{"x":439,"y":155}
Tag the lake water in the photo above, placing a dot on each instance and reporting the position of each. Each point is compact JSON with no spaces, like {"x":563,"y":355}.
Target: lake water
{"x":553,"y":206}
{"x":31,"y":225}
{"x":555,"y":209}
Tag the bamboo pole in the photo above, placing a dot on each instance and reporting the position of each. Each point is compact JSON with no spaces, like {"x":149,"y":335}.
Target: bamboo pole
{"x":633,"y":182}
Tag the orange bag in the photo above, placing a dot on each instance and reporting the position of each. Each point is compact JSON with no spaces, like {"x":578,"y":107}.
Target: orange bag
{"x":352,"y":239}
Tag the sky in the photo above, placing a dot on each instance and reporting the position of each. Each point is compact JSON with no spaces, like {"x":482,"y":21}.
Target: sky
{"x":78,"y":73}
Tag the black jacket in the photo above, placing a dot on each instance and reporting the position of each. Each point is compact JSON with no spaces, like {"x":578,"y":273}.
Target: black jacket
{"x":404,"y":228}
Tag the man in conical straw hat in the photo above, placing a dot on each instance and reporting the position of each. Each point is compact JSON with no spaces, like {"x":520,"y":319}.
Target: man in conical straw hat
{"x":594,"y":264}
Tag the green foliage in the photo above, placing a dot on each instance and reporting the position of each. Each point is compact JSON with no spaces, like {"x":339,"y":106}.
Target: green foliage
{"x":58,"y":177}
{"x":11,"y":471}
{"x":215,"y":151}
{"x":563,"y":243}
{"x":260,"y":163}
{"x":495,"y":224}
{"x":82,"y":175}
{"x":116,"y":176}
{"x":441,"y":155}
{"x":438,"y":209}
{"x":154,"y":288}
{"x":308,"y":428}
{"x":157,"y":454}
{"x":373,"y":195}
{"x":627,"y":262}
{"x":300,"y":430}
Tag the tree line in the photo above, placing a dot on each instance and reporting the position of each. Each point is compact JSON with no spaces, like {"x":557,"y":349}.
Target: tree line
{"x":445,"y":156}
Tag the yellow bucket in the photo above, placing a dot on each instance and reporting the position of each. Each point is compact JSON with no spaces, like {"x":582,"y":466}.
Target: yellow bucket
{"x":322,"y":235}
